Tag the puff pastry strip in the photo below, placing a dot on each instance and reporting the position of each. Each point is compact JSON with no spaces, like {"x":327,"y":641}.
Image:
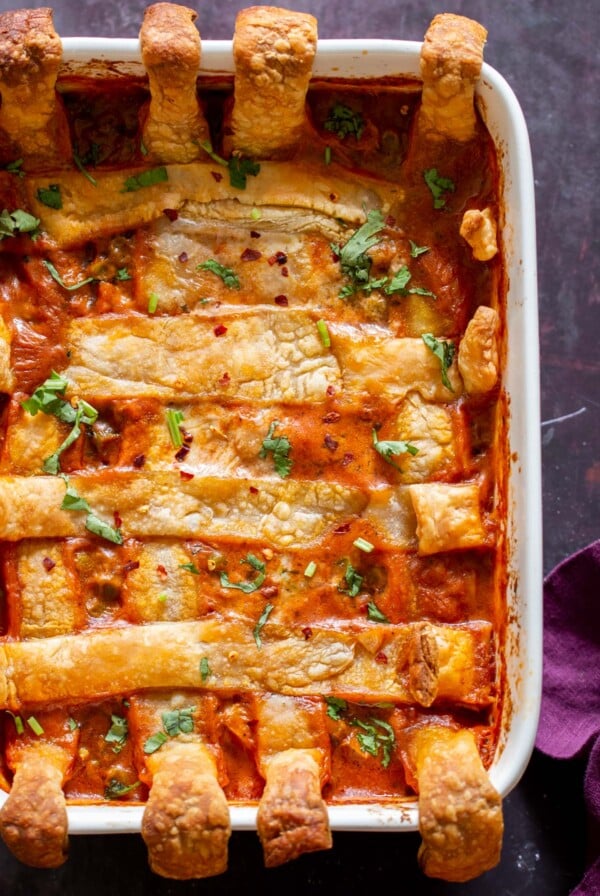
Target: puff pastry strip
{"x":88,"y":212}
{"x":451,"y":60}
{"x":31,"y":113}
{"x":273,"y":52}
{"x":75,"y":668}
{"x":174,"y":124}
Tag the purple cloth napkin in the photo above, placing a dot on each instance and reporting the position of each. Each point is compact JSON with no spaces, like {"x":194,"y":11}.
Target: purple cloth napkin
{"x":570,"y":716}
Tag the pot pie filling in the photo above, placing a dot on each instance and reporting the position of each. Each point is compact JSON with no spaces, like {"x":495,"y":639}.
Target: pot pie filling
{"x":252,"y":461}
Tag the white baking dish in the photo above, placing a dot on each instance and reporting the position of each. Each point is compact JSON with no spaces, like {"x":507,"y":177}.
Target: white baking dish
{"x":523,"y":649}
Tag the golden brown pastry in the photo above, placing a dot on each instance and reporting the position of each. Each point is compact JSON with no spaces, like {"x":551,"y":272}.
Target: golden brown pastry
{"x":478,"y":228}
{"x":478,"y":353}
{"x":174,"y":124}
{"x":451,"y":61}
{"x":273,"y":53}
{"x":31,"y":113}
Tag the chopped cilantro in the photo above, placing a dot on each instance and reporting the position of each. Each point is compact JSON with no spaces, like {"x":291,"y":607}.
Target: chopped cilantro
{"x":345,"y":122}
{"x":239,"y":171}
{"x":190,"y":567}
{"x":280,"y":448}
{"x":73,"y":726}
{"x":353,"y":580}
{"x":179,"y":721}
{"x":335,"y":707}
{"x":16,"y":168}
{"x":84,"y":413}
{"x":115,"y":789}
{"x":415,"y":250}
{"x":205,"y":671}
{"x":56,"y":276}
{"x":122,"y":274}
{"x":73,"y":501}
{"x":375,"y":614}
{"x":229,"y":277}
{"x":354,"y":261}
{"x":98,"y":527}
{"x":376,"y":736}
{"x":19,"y":221}
{"x":50,"y":196}
{"x":84,"y":171}
{"x":393,"y":449}
{"x":444,"y":350}
{"x":145,"y":179}
{"x":117,"y":733}
{"x":155,"y":742}
{"x":247,"y":587}
{"x":438,"y":185}
{"x":260,"y":624}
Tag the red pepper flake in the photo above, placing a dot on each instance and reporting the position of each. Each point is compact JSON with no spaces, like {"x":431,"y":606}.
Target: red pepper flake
{"x":183,"y":257}
{"x":133,"y":564}
{"x":330,"y":390}
{"x":217,"y":176}
{"x":224,"y":379}
{"x":307,"y":632}
{"x":117,"y":519}
{"x":330,"y":442}
{"x":186,"y":436}
{"x":251,"y":255}
{"x":331,"y":417}
{"x":381,"y":658}
{"x":272,"y":259}
{"x":48,"y":563}
{"x":281,"y":300}
{"x":171,"y":213}
{"x":253,"y":490}
{"x":220,"y":330}
{"x":335,"y":256}
{"x":347,"y":459}
{"x":255,"y":234}
{"x":269,"y":591}
{"x":333,"y":197}
{"x":182,"y":453}
{"x":285,"y":272}
{"x":139,"y":460}
{"x":341,"y":530}
{"x":281,"y":258}
{"x":186,"y":475}
{"x":161,"y":570}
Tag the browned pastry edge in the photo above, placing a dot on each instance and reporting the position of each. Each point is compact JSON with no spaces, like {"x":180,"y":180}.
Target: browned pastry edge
{"x":292,"y":816}
{"x":168,"y":36}
{"x":29,"y":46}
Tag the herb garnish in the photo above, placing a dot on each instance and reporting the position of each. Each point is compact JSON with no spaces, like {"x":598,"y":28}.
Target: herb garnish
{"x":155,"y":742}
{"x":239,"y":167}
{"x":50,"y":196}
{"x":335,"y":707}
{"x":179,"y":721}
{"x":14,"y":223}
{"x":152,"y":302}
{"x":18,"y":722}
{"x":73,"y":501}
{"x":399,"y":284}
{"x":438,"y":185}
{"x":280,"y":448}
{"x":345,"y":122}
{"x":247,"y":587}
{"x":145,"y":179}
{"x":363,"y":545}
{"x":16,"y":168}
{"x":375,"y":614}
{"x":56,"y":276}
{"x":117,"y":733}
{"x":84,"y":171}
{"x":35,"y":725}
{"x":311,"y":568}
{"x":116,"y":789}
{"x":229,"y":277}
{"x":374,"y":737}
{"x":444,"y":350}
{"x":353,"y":580}
{"x":190,"y":567}
{"x":205,"y":670}
{"x":174,"y":420}
{"x":389,"y":449}
{"x":354,"y":261}
{"x":324,"y":333}
{"x":415,"y":250}
{"x":260,"y":624}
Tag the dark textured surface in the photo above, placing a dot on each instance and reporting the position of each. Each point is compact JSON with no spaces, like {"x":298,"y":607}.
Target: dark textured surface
{"x":548,"y":52}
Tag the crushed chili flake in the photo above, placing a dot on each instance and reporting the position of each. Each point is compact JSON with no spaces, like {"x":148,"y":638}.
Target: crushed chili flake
{"x":224,"y":379}
{"x":139,"y":460}
{"x":285,"y":272}
{"x":217,"y":176}
{"x":251,"y":255}
{"x":186,"y":436}
{"x":48,"y":563}
{"x":133,"y":564}
{"x":220,"y":330}
{"x":253,"y":490}
{"x":331,"y":417}
{"x":347,"y":459}
{"x":341,"y":530}
{"x":307,"y":632}
{"x":333,"y":197}
{"x":255,"y":234}
{"x":281,"y":300}
{"x":335,"y":256}
{"x":186,"y":475}
{"x":330,"y":390}
{"x":330,"y":442}
{"x":183,"y":452}
{"x":117,"y":519}
{"x":381,"y":658}
{"x":281,"y":257}
{"x":272,"y":259}
{"x":171,"y":213}
{"x":161,"y":570}
{"x":183,"y":257}
{"x":269,"y":591}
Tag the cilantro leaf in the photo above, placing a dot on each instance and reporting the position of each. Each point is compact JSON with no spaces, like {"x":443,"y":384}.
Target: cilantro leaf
{"x":145,"y":179}
{"x":335,"y":707}
{"x":375,"y":614}
{"x":229,"y":277}
{"x":239,"y":171}
{"x":344,"y":122}
{"x":73,"y":501}
{"x":444,"y":350}
{"x":47,"y":398}
{"x":280,"y":448}
{"x":354,"y":261}
{"x":247,"y":587}
{"x":115,"y":789}
{"x":117,"y":733}
{"x":415,"y":250}
{"x":98,"y":527}
{"x":179,"y":721}
{"x":376,"y":736}
{"x":399,"y":281}
{"x":19,"y":221}
{"x":16,"y":168}
{"x":190,"y":567}
{"x":260,"y":624}
{"x":205,"y":670}
{"x":84,"y":171}
{"x":393,"y":449}
{"x":155,"y":742}
{"x":50,"y":196}
{"x":438,"y":185}
{"x":353,"y":580}
{"x":56,"y":276}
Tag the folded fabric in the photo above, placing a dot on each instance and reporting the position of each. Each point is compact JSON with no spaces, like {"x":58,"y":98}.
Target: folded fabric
{"x":570,"y":715}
